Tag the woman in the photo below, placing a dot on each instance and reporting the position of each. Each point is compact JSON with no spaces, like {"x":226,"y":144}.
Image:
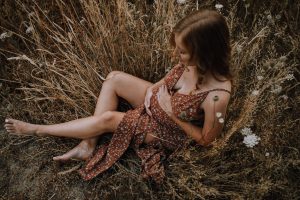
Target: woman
{"x":190,"y":101}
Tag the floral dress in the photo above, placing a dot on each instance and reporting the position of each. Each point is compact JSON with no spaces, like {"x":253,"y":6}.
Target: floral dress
{"x":136,"y":124}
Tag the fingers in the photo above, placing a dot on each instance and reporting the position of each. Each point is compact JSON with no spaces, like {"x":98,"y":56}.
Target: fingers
{"x":147,"y":105}
{"x":148,"y":111}
{"x":163,"y":89}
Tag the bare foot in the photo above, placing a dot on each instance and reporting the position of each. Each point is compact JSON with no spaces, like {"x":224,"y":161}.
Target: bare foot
{"x":18,"y":127}
{"x":82,"y":151}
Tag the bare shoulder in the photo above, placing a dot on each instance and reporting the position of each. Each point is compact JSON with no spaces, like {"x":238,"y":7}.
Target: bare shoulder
{"x":219,"y":97}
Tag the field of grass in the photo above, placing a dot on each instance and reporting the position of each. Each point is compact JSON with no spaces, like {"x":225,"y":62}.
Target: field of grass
{"x":55,"y":54}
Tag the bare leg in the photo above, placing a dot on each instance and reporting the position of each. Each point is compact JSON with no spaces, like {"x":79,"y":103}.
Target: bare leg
{"x":107,"y":101}
{"x":119,"y":84}
{"x":80,"y":128}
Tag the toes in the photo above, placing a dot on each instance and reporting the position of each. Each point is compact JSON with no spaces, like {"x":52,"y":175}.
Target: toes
{"x":63,"y":157}
{"x":56,"y":158}
{"x":11,"y":131}
{"x":73,"y":154}
{"x":9,"y":121}
{"x":8,"y":126}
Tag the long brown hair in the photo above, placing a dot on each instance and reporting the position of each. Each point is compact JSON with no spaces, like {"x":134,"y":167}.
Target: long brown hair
{"x":206,"y":35}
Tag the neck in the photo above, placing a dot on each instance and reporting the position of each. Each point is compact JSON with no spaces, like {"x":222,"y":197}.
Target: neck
{"x":207,"y":79}
{"x":204,"y":78}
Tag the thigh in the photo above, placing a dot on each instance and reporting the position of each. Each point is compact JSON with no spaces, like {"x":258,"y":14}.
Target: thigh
{"x":112,"y":120}
{"x":129,"y":87}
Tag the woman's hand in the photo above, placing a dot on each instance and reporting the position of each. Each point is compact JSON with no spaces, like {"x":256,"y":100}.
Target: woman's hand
{"x":147,"y":100}
{"x":164,"y":99}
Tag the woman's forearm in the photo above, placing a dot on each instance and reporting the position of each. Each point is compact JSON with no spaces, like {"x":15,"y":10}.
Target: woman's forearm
{"x":195,"y":132}
{"x":157,"y":84}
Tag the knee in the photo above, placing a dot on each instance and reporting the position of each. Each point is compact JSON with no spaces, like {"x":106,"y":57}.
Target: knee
{"x":107,"y":117}
{"x":114,"y":75}
{"x":105,"y":121}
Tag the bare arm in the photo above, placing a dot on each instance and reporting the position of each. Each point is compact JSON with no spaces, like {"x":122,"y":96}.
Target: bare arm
{"x":157,"y":84}
{"x":195,"y":132}
{"x":212,"y":126}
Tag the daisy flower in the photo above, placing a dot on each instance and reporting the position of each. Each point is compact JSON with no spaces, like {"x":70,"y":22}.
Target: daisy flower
{"x":181,"y":1}
{"x":5,"y":35}
{"x":289,"y":77}
{"x":29,"y":29}
{"x":219,"y":6}
{"x":255,"y":92}
{"x":218,"y":114}
{"x":251,"y":140}
{"x":260,"y":78}
{"x":221,"y":120}
{"x":246,"y":131}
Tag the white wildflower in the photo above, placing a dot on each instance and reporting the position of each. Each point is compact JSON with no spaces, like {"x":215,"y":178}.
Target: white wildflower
{"x":30,"y":14}
{"x":219,"y":6}
{"x":260,"y":77}
{"x":5,"y":35}
{"x":285,"y":97}
{"x":221,"y":120}
{"x":239,"y":48}
{"x":82,"y":21}
{"x":181,"y":1}
{"x":251,"y":140}
{"x":246,"y":131}
{"x":276,"y":89}
{"x":278,"y":17}
{"x":29,"y":29}
{"x":283,"y":58}
{"x":255,"y":92}
{"x":267,"y":154}
{"x":218,"y":114}
{"x":289,"y":77}
{"x":269,"y":17}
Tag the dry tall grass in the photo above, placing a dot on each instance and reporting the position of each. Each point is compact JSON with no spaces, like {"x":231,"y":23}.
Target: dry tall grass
{"x":60,"y":52}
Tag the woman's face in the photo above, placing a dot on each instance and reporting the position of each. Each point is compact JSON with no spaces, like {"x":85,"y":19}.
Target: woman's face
{"x":181,"y":51}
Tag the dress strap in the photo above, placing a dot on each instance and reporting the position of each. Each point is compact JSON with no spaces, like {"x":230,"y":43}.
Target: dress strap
{"x":219,"y":89}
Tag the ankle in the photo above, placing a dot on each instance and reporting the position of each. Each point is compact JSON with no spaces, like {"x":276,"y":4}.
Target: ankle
{"x":38,"y":130}
{"x":91,"y":143}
